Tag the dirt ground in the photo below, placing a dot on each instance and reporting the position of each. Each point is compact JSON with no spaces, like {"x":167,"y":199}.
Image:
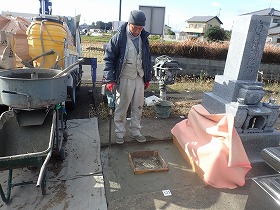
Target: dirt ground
{"x":90,"y":104}
{"x":85,"y":102}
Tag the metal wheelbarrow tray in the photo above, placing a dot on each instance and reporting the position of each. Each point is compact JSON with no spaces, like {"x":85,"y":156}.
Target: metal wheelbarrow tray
{"x":23,"y":147}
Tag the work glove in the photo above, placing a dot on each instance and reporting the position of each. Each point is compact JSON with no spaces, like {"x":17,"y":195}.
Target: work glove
{"x":146,"y":85}
{"x":110,"y":86}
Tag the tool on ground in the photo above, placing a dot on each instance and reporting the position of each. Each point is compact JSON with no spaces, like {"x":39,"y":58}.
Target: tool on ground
{"x":111,"y":98}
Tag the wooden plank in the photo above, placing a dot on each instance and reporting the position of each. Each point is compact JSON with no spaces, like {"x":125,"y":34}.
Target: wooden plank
{"x":190,"y":161}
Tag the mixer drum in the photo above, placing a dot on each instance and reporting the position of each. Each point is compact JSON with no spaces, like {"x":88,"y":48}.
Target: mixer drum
{"x":32,"y":88}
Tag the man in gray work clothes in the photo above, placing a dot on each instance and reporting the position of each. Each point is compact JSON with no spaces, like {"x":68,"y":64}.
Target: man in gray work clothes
{"x":128,"y":69}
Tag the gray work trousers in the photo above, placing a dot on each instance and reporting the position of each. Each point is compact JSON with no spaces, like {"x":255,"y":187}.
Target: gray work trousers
{"x":129,"y":91}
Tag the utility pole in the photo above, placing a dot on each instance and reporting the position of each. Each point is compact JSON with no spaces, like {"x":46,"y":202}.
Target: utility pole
{"x":168,"y":19}
{"x":219,"y":13}
{"x":120,"y":10}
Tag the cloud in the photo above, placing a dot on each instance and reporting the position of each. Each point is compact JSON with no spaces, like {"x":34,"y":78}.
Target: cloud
{"x":274,"y":1}
{"x":215,"y":4}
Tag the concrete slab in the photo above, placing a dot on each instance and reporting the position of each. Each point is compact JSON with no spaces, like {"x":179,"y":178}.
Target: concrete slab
{"x":125,"y":190}
{"x":75,"y":183}
{"x":152,"y":128}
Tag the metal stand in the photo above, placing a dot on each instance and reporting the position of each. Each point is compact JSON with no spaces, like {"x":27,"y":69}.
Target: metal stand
{"x":165,"y":70}
{"x":162,"y":90}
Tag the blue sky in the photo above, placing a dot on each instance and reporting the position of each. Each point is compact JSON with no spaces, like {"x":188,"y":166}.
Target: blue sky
{"x":176,"y":11}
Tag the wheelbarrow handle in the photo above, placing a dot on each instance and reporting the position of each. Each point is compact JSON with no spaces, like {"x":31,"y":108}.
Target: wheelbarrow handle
{"x":19,"y":93}
{"x":69,"y":68}
{"x":43,"y":167}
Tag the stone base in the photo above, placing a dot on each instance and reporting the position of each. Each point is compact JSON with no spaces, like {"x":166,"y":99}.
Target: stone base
{"x":254,"y":143}
{"x":216,"y":105}
{"x":247,"y":118}
{"x":228,"y":89}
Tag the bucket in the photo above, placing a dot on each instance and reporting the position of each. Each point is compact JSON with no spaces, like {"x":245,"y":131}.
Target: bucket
{"x":43,"y":35}
{"x":163,"y":109}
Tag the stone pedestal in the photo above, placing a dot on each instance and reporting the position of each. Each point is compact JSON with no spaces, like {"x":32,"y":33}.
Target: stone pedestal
{"x":237,"y":92}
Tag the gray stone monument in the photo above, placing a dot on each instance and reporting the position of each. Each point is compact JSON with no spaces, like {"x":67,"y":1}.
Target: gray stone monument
{"x":238,"y":93}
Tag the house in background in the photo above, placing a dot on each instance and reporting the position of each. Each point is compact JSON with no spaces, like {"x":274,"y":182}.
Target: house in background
{"x":274,"y":28}
{"x":198,"y":25}
{"x":166,"y":29}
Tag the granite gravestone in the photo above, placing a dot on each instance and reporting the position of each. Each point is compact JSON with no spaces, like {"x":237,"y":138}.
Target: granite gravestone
{"x":238,"y":92}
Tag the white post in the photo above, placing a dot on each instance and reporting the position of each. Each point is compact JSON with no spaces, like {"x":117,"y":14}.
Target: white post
{"x":43,"y":8}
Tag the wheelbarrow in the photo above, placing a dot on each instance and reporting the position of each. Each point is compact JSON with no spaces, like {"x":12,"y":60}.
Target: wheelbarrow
{"x":29,"y":146}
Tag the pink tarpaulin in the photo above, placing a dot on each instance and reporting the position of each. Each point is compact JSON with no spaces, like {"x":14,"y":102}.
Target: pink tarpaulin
{"x":212,"y":142}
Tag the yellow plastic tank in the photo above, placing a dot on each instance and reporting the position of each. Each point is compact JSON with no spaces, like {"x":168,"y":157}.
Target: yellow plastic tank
{"x":44,"y":35}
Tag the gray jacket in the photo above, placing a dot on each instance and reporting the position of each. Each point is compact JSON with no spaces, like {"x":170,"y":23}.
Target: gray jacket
{"x":115,"y":53}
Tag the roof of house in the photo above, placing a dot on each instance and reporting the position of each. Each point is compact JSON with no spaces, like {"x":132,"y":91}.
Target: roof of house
{"x":265,"y":12}
{"x":274,"y":30}
{"x":203,"y":19}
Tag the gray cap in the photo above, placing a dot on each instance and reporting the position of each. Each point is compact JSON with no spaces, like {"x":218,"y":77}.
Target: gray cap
{"x":137,"y":17}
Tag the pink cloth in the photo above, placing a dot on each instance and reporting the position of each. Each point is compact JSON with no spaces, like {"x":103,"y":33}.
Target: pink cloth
{"x":214,"y":145}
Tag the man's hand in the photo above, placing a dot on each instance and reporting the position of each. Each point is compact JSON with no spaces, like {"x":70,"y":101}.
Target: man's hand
{"x":146,"y":85}
{"x":110,"y":86}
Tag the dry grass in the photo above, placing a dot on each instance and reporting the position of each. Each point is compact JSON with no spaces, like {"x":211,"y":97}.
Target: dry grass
{"x":271,"y":53}
{"x":272,"y":91}
{"x":192,"y":48}
{"x":93,"y":50}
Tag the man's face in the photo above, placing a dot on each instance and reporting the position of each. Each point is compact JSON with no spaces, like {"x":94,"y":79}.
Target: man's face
{"x":135,"y":30}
